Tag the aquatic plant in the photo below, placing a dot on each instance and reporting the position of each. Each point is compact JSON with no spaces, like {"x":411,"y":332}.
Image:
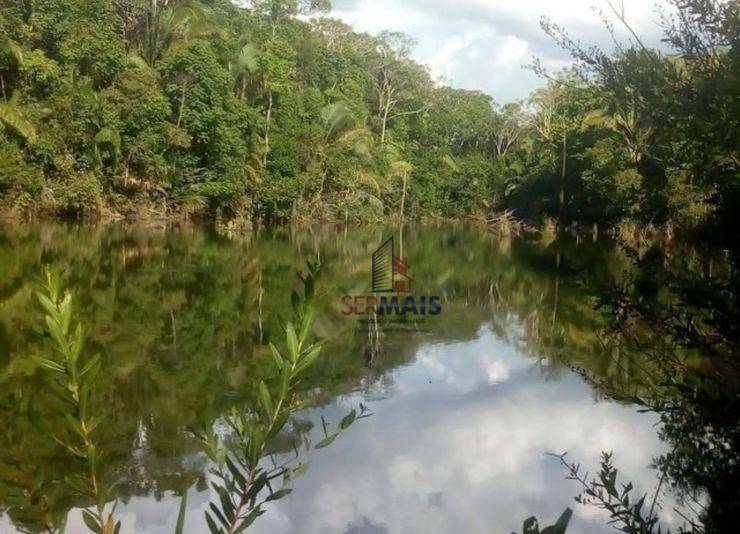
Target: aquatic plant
{"x":244,"y":479}
{"x":73,"y":378}
{"x":631,"y":516}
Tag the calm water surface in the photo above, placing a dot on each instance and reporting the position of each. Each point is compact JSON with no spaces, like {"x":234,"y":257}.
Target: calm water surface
{"x":464,"y":413}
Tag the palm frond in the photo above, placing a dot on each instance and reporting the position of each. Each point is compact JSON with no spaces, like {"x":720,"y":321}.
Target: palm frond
{"x":597,"y":117}
{"x":399,"y":169}
{"x":12,"y":48}
{"x":335,"y":115}
{"x":12,"y":117}
{"x":135,"y":60}
{"x":451,"y":163}
{"x":248,"y":58}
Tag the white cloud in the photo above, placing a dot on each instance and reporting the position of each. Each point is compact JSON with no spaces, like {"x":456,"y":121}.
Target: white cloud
{"x":461,"y":449}
{"x":457,"y":446}
{"x":485,"y":44}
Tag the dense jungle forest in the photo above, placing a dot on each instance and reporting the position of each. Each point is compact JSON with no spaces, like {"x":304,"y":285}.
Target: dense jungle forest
{"x":268,"y":111}
{"x":581,"y":369}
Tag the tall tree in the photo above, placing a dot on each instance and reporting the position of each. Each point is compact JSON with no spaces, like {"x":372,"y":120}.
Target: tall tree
{"x":397,"y":79}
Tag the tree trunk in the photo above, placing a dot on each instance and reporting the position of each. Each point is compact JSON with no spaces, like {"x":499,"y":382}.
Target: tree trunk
{"x":403,"y":195}
{"x":174,"y":331}
{"x":259,"y":306}
{"x":400,"y":241}
{"x":267,"y":129}
{"x":561,"y":195}
{"x":182,"y":103}
{"x":557,"y":287}
{"x":384,"y":122}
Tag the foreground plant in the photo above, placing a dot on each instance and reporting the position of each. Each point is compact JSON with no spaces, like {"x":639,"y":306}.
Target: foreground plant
{"x":245,"y":478}
{"x":531,"y":526}
{"x":626,"y":513}
{"x":73,"y":378}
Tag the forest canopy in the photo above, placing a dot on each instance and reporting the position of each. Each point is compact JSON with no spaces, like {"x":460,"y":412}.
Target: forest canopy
{"x":270,"y":111}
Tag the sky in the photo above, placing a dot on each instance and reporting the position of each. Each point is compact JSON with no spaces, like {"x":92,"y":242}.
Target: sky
{"x":485,"y":44}
{"x":456,"y":444}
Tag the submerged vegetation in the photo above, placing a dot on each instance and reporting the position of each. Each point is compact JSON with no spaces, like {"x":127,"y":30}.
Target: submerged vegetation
{"x":187,"y":108}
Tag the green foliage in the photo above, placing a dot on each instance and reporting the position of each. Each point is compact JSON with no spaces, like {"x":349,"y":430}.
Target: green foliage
{"x":78,"y":195}
{"x":245,"y":482}
{"x":530,"y":525}
{"x":12,"y":117}
{"x":19,"y":181}
{"x":632,"y":516}
{"x":39,"y":74}
{"x":659,"y":107}
{"x":213,"y":109}
{"x":73,"y":377}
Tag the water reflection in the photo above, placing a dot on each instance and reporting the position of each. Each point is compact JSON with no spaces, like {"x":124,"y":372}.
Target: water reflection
{"x":467,"y":449}
{"x":464,"y":414}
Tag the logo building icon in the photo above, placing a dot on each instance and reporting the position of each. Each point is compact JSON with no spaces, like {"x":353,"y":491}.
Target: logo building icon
{"x":390,"y":272}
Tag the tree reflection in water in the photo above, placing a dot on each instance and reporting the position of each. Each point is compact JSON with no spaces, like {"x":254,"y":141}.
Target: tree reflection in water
{"x":183,"y":319}
{"x":684,"y":341}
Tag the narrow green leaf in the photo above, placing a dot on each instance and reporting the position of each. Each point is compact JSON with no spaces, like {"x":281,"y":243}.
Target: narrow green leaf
{"x":211,"y":524}
{"x":295,"y":300}
{"x":79,"y":340}
{"x":91,"y":522}
{"x":308,"y":287}
{"x":265,"y":399}
{"x":300,"y":470}
{"x":279,"y":494}
{"x":249,"y":519}
{"x":91,"y":367}
{"x":57,"y":335}
{"x":49,"y":364}
{"x":276,"y":356}
{"x":226,"y":505}
{"x":257,"y":486}
{"x":46,"y":303}
{"x":279,"y":424}
{"x":308,"y":360}
{"x":65,"y":312}
{"x":326,"y":441}
{"x":292,"y":341}
{"x":218,"y":514}
{"x":348,"y":420}
{"x":236,"y":474}
{"x":307,"y":322}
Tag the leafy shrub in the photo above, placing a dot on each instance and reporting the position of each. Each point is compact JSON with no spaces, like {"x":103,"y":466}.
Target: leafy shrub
{"x":81,"y":194}
{"x":20,"y":182}
{"x":39,"y":73}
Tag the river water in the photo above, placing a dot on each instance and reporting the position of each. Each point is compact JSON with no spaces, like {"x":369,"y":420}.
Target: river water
{"x":467,"y":406}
